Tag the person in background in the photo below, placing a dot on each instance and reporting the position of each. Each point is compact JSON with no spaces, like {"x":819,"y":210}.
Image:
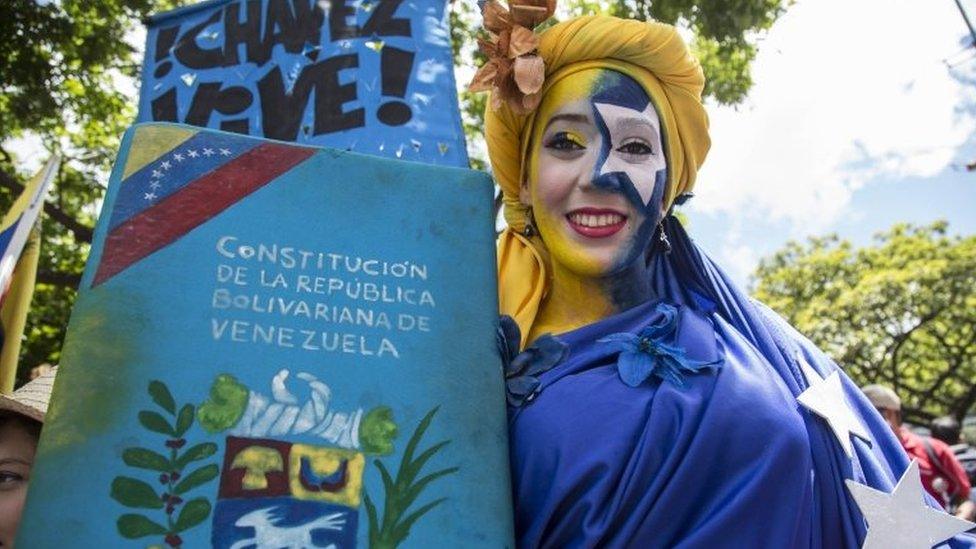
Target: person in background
{"x":21,"y":417}
{"x":948,"y":430}
{"x":942,"y":475}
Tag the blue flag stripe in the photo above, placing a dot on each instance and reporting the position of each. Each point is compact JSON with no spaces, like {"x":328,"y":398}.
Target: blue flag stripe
{"x":7,"y":235}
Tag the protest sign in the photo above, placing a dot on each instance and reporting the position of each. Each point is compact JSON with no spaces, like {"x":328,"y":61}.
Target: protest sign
{"x":370,"y":76}
{"x":269,"y":349}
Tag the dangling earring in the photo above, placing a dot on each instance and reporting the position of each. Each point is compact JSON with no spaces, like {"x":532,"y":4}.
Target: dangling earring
{"x":663,"y":238}
{"x":529,"y":230}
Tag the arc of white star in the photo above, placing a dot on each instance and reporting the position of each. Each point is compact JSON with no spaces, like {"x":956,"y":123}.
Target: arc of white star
{"x":157,"y":173}
{"x":150,"y":196}
{"x":165,"y":165}
{"x":901,"y":519}
{"x":192,"y":153}
{"x":178,"y":157}
{"x":225,"y":152}
{"x":155,"y":185}
{"x":208,"y":152}
{"x":825,"y":397}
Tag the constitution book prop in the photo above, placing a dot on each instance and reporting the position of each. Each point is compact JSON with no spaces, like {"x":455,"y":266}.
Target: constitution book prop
{"x":278,"y":346}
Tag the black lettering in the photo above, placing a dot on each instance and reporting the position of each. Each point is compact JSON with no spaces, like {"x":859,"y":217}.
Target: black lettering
{"x":209,"y":97}
{"x":191,"y":55}
{"x":283,"y":27}
{"x":383,"y":22}
{"x":247,"y":32}
{"x":282,"y":112}
{"x":165,"y":39}
{"x":164,"y":107}
{"x":339,"y":26}
{"x":395,"y":68}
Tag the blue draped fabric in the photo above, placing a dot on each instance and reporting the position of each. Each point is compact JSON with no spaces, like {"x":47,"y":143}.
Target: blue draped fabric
{"x":725,"y":458}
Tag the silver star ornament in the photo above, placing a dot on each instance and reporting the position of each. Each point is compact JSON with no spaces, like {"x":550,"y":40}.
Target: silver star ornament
{"x":825,"y":397}
{"x":901,"y":519}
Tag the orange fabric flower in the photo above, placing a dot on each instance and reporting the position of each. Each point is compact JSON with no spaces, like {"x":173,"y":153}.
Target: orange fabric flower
{"x":514,"y":72}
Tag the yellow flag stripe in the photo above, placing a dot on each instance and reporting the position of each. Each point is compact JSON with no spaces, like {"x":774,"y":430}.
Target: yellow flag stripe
{"x":164,"y":138}
{"x":16,"y":305}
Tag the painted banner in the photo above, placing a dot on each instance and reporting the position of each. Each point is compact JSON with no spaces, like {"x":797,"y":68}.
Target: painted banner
{"x":370,"y":76}
{"x":278,"y":346}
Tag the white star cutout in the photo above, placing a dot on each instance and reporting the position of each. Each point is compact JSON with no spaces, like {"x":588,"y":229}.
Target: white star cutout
{"x":225,"y":152}
{"x":901,"y":519}
{"x":149,"y":196}
{"x":825,"y":397}
{"x":178,"y":157}
{"x":155,"y":185}
{"x":208,"y":152}
{"x":641,"y":175}
{"x":165,"y":165}
{"x":192,"y":153}
{"x":157,"y":173}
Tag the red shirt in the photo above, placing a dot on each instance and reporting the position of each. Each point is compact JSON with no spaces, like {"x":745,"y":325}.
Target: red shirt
{"x":951,"y":476}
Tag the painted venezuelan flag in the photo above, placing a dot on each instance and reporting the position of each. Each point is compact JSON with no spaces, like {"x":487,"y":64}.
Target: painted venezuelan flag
{"x":177,"y":182}
{"x":19,"y":242}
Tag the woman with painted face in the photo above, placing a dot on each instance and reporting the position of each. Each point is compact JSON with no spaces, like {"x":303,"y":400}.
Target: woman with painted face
{"x":651,"y":402}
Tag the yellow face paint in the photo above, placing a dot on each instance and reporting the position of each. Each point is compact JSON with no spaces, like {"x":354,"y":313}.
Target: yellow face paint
{"x":570,"y":97}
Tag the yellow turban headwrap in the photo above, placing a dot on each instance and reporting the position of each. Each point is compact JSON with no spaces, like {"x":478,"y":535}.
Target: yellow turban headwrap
{"x":656,"y":57}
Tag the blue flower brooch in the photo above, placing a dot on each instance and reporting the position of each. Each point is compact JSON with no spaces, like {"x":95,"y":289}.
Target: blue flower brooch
{"x":522,"y":370}
{"x":660,"y":351}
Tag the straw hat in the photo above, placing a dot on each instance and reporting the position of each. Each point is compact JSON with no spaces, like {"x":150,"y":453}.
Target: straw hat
{"x":32,"y":398}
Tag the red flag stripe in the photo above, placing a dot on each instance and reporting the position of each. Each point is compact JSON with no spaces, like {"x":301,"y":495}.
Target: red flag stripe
{"x":194,"y":204}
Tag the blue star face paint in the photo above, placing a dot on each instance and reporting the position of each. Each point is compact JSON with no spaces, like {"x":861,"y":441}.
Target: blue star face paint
{"x":597,"y":172}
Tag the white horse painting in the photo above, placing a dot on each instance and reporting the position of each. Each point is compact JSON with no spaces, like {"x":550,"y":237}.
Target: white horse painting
{"x":268,"y":533}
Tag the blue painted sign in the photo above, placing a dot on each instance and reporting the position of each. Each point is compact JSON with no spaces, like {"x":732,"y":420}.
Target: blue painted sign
{"x":370,"y":76}
{"x":269,"y":349}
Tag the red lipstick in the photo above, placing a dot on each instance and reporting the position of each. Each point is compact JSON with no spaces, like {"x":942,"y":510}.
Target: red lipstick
{"x":596,"y":222}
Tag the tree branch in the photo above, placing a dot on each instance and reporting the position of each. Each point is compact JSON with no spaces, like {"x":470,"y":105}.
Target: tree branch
{"x":54,"y":278}
{"x":82,"y":233}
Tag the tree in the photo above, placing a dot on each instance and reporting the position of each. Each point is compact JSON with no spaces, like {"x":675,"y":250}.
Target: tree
{"x":65,"y":65}
{"x":901,"y":312}
{"x":60,"y":63}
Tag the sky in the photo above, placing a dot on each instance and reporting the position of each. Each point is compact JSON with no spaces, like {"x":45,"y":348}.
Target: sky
{"x":854,"y":123}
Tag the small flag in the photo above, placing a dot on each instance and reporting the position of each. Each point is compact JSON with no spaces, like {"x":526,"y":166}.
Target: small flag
{"x":19,"y":252}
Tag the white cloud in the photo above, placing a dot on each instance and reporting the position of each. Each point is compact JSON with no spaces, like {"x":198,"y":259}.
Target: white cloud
{"x":845,"y":92}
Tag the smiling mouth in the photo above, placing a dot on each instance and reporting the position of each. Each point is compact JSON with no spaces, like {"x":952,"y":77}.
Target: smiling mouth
{"x":596,"y":223}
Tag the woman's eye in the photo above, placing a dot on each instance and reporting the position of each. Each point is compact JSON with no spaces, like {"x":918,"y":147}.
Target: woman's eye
{"x":563,"y":141}
{"x":9,"y":479}
{"x":636,"y":147}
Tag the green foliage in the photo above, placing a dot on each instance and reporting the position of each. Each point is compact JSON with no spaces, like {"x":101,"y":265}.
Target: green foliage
{"x":901,"y":312}
{"x":198,"y":477}
{"x":225,"y":405}
{"x":133,"y":526}
{"x":61,"y":65}
{"x":402,"y":492}
{"x":144,"y":458}
{"x":377,"y":431}
{"x":132,"y":492}
{"x":161,"y":396}
{"x":194,"y":512}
